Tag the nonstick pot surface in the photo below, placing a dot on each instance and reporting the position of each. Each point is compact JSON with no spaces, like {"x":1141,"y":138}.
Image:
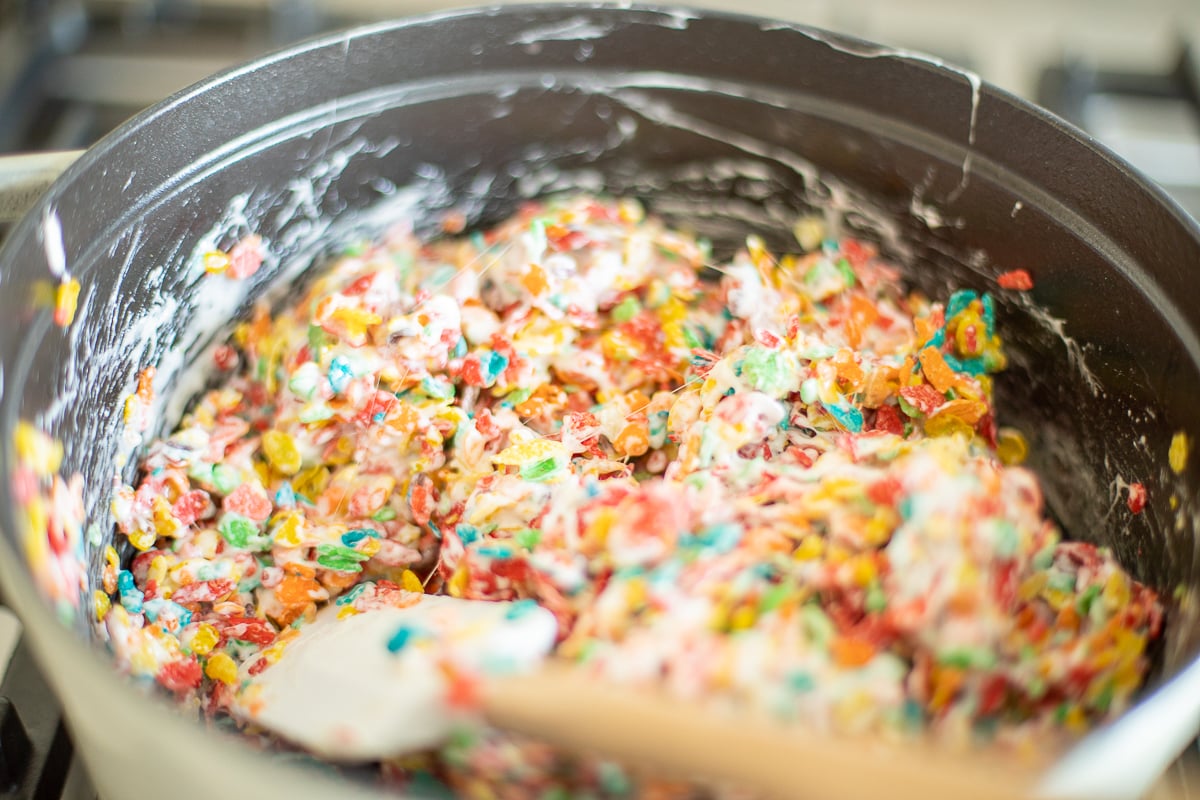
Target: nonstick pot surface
{"x":726,"y":125}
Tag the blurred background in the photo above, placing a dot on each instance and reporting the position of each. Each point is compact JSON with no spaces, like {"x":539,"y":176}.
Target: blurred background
{"x":1127,"y":72}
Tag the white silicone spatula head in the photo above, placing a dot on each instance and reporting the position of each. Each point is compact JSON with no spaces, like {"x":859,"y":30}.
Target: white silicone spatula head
{"x":374,"y":684}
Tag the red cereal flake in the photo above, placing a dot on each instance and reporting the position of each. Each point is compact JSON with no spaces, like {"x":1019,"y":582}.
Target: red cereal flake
{"x":249,"y":629}
{"x":766,"y":338}
{"x":485,"y":423}
{"x":245,"y":258}
{"x":887,"y":418}
{"x":472,"y":371}
{"x":203,"y":591}
{"x":140,"y":566}
{"x":857,"y":253}
{"x":462,"y":689}
{"x":421,"y":498}
{"x":192,"y":506}
{"x":793,"y":327}
{"x":25,"y":485}
{"x":1006,"y":584}
{"x":798,"y":456}
{"x":924,"y":398}
{"x":248,"y":501}
{"x":1016,"y":279}
{"x":987,"y":429}
{"x":991,"y":697}
{"x":1137,"y":498}
{"x":225,"y":357}
{"x":180,"y":676}
{"x":360,"y":286}
{"x":561,"y":238}
{"x":885,"y":492}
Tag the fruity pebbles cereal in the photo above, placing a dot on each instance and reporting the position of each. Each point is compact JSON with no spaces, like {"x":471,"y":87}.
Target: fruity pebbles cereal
{"x":777,"y":479}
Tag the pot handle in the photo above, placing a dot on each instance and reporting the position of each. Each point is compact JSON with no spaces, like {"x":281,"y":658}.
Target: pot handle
{"x":25,"y":177}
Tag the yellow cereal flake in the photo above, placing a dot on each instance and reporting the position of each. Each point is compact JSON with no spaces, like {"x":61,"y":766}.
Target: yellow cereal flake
{"x":221,"y":667}
{"x":205,"y":640}
{"x":811,"y":547}
{"x":101,"y":604}
{"x":216,"y":262}
{"x":288,"y":533}
{"x":66,"y":299}
{"x":1177,"y":456}
{"x":410,"y":582}
{"x":281,"y":452}
{"x":142,"y":540}
{"x":809,"y":231}
{"x":529,"y":452}
{"x":37,"y":451}
{"x":1011,"y":447}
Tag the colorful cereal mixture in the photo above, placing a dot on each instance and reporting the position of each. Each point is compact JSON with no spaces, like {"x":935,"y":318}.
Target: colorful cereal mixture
{"x":778,"y":479}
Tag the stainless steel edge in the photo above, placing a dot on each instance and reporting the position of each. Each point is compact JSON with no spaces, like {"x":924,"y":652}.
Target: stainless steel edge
{"x":25,"y":177}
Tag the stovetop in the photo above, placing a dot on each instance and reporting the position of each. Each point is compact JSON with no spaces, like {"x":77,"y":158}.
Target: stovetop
{"x":37,"y":760}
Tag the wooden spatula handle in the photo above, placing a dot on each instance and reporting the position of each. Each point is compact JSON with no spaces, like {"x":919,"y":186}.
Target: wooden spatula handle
{"x":568,"y":708}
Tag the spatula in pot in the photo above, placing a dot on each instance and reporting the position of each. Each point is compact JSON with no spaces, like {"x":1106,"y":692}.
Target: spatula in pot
{"x":358,"y":687}
{"x":1123,"y":760}
{"x":375,"y":684}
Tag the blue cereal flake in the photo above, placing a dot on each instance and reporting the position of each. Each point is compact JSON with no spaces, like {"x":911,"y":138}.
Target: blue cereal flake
{"x":938,"y":340}
{"x":354,"y":593}
{"x":989,"y":313}
{"x":959,"y":302}
{"x":467,"y":533}
{"x":722,"y":537}
{"x":402,"y":638}
{"x":492,"y":365}
{"x":499,"y":551}
{"x":520,"y":608}
{"x":847,"y":416}
{"x":969,"y":366}
{"x":801,"y":682}
{"x":131,"y":598}
{"x":340,"y":374}
{"x":353,"y":537}
{"x":168,"y":612}
{"x":285,"y":496}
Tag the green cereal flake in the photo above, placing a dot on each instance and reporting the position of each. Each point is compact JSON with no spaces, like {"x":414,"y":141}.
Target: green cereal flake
{"x":341,"y":559}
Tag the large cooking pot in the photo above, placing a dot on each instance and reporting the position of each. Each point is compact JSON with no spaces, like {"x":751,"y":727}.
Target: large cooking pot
{"x":727,"y":123}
